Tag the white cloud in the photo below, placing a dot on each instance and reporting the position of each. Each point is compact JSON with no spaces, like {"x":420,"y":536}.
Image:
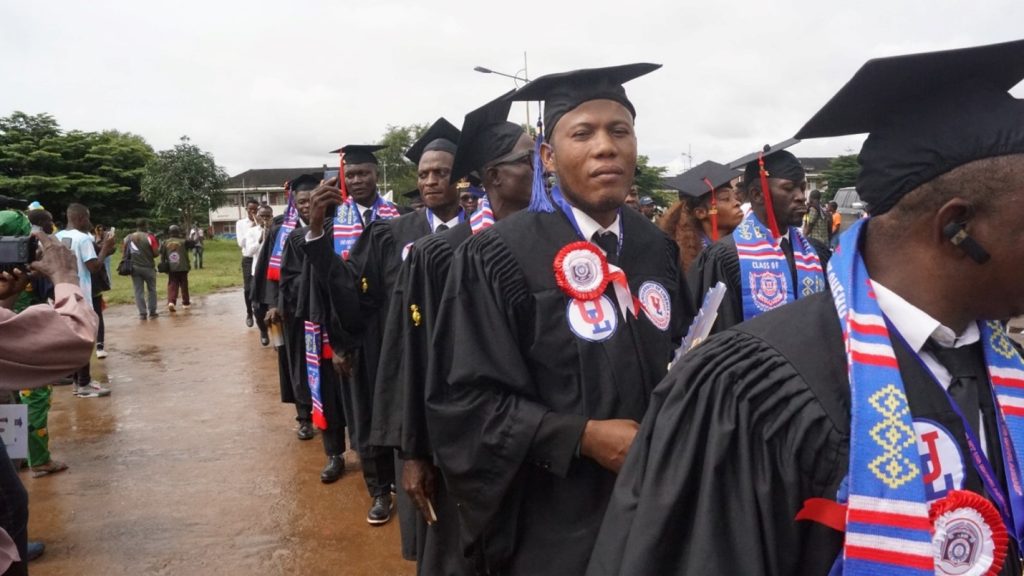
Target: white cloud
{"x":264,"y":84}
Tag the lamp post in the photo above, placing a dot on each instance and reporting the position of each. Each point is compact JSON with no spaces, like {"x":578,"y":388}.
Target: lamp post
{"x":516,"y":79}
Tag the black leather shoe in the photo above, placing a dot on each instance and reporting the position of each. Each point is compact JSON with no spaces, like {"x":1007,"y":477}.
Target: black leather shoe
{"x":248,"y":321}
{"x":264,"y":340}
{"x":305,"y":431}
{"x":333,"y":470}
{"x":380,"y":511}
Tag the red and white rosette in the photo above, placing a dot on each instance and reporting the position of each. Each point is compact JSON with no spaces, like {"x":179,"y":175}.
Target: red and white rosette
{"x":969,"y":537}
{"x":582,"y":272}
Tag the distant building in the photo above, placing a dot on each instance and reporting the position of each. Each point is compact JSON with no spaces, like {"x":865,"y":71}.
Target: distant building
{"x":265,"y":185}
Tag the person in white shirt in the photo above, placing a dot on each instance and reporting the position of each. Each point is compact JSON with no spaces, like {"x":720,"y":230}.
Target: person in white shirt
{"x":242,"y":228}
{"x":78,"y":239}
{"x":252,"y":244}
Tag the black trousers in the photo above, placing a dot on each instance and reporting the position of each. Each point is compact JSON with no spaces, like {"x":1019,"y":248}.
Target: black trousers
{"x":247,"y":284}
{"x":295,"y":349}
{"x":13,"y":510}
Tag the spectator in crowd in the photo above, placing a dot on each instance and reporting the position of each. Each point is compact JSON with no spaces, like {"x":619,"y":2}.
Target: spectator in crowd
{"x":837,"y":223}
{"x":633,"y":198}
{"x":77,"y":237}
{"x":174,"y":259}
{"x":467,"y":199}
{"x":197,"y":236}
{"x":69,"y":325}
{"x":100,"y":284}
{"x":241,"y":228}
{"x":817,"y":224}
{"x":251,"y":246}
{"x":648,"y":208}
{"x":141,"y":247}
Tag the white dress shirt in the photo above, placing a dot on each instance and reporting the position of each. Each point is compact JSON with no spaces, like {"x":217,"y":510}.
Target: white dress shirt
{"x":916,"y":327}
{"x":241,"y":228}
{"x":435,"y":222}
{"x":588,"y":226}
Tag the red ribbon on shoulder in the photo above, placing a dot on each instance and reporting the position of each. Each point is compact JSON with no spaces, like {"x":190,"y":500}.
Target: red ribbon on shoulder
{"x":582,"y":272}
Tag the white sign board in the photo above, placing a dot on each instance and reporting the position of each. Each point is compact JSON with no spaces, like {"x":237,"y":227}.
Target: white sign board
{"x":14,"y":429}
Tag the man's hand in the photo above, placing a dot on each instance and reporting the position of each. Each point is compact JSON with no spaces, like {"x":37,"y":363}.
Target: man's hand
{"x":342,"y":362}
{"x":607,"y":441}
{"x":109,"y":246}
{"x":55,"y":261}
{"x":12,"y":283}
{"x":418,"y":477}
{"x":327,"y":195}
{"x":273,"y":316}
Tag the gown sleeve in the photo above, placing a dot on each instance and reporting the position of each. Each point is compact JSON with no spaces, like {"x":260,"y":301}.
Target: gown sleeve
{"x":482,"y":415}
{"x":337,"y":282}
{"x":733,"y":443}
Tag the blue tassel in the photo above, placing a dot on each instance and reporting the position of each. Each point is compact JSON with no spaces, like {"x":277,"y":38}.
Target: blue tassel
{"x":539,"y":201}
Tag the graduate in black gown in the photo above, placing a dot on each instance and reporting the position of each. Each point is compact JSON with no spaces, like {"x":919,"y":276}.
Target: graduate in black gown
{"x":540,"y":390}
{"x":755,"y":455}
{"x":267,"y":289}
{"x":708,"y":209}
{"x":775,"y":217}
{"x":502,"y":153}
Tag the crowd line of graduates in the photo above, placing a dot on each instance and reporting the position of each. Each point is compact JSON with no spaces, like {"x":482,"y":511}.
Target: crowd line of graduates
{"x":512,"y":378}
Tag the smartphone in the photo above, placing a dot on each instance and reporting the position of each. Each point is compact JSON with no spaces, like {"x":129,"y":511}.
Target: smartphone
{"x":66,"y":242}
{"x":330,"y":173}
{"x":112,"y":232}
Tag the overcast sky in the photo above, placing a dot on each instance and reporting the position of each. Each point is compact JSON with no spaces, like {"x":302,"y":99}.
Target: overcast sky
{"x":277,"y":84}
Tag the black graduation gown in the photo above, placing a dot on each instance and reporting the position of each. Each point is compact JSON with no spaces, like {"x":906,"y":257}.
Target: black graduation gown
{"x":742,"y":431}
{"x":290,"y":290}
{"x":720,"y":263}
{"x":398,"y":417}
{"x":264,"y":295}
{"x":519,"y":387}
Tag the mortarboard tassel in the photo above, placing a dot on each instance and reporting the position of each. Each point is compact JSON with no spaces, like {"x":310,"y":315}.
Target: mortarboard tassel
{"x":539,"y":201}
{"x":713,"y":211}
{"x":766,"y":193}
{"x":341,"y":178}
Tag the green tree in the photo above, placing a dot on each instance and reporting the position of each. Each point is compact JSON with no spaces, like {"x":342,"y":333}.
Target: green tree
{"x":401,"y":173}
{"x":648,"y":182}
{"x":841,"y":173}
{"x":102,"y":170}
{"x":183,"y":183}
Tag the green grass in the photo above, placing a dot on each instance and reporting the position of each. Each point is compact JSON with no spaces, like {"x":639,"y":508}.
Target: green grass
{"x":221,"y":269}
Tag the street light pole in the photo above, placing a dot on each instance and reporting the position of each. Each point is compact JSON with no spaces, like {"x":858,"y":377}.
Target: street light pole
{"x":516,"y":79}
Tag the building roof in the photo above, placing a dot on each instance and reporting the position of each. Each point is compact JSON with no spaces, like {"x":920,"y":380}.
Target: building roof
{"x":268,"y":177}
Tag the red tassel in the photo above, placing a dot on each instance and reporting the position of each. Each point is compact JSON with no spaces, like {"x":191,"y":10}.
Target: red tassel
{"x":273,"y":274}
{"x":714,"y":211}
{"x":766,"y":193}
{"x":341,"y":178}
{"x":326,"y":352}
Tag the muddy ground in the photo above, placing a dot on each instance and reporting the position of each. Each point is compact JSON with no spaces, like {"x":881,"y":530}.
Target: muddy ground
{"x":192,"y":466}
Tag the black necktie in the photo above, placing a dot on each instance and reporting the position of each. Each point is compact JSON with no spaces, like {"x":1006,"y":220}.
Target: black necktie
{"x":367,"y":215}
{"x":608,"y":242}
{"x":966,"y":366}
{"x":441,"y":228}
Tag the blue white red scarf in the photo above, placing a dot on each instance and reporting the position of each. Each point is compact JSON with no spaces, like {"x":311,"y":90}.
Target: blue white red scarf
{"x":347,"y":227}
{"x":348,"y":223}
{"x":889,"y":529}
{"x":764,"y":271}
{"x":483,"y":218}
{"x":291,"y":219}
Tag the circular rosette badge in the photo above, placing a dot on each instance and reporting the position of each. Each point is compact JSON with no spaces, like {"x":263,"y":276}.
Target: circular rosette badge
{"x":581,"y":271}
{"x":969,"y":537}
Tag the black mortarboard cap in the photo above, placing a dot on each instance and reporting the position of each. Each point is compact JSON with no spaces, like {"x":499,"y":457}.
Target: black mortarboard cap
{"x":359,"y":153}
{"x":926,"y":114}
{"x":566,"y":90}
{"x":305,"y":182}
{"x":778,"y":162}
{"x":487,"y":136}
{"x":692,"y":182}
{"x":441,"y":135}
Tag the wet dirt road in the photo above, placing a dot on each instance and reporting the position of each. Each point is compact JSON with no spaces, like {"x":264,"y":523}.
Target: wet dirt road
{"x":192,"y":466}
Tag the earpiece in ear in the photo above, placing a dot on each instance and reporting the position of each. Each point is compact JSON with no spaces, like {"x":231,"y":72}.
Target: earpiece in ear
{"x":956,"y":233}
